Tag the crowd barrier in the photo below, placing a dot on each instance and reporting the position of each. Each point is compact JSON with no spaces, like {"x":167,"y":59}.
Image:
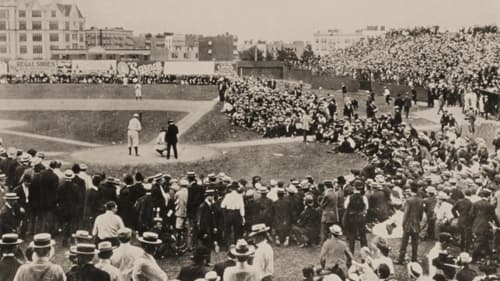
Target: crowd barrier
{"x":113,"y":67}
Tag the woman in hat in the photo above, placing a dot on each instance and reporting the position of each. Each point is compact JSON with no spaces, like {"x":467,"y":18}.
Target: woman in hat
{"x":146,"y":267}
{"x":41,"y":268}
{"x":242,"y":270}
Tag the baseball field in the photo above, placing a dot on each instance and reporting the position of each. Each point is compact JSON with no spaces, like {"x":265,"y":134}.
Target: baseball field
{"x":87,"y":123}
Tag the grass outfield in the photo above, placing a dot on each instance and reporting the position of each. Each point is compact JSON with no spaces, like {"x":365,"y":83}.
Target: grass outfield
{"x":103,"y":127}
{"x":108,"y":91}
{"x":37,"y":144}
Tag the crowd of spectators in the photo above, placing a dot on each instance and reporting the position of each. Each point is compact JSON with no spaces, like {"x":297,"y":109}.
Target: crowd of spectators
{"x":109,"y":79}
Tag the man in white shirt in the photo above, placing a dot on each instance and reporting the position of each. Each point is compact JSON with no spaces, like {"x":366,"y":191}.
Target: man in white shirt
{"x":125,"y":255}
{"x":105,"y":252}
{"x":107,"y":225}
{"x":264,"y":254}
{"x":234,"y":213}
{"x":134,"y":127}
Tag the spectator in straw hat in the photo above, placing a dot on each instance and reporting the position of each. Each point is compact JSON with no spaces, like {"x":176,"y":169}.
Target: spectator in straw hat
{"x":10,"y":214}
{"x":206,"y":222}
{"x":125,"y":255}
{"x":41,"y":268}
{"x":69,"y":205}
{"x":242,"y":270}
{"x":334,"y":250}
{"x":146,"y":267}
{"x":265,"y":207}
{"x":466,"y":273}
{"x":234,"y":214}
{"x":306,"y":230}
{"x":8,"y":262}
{"x":282,"y":220}
{"x":105,"y":251}
{"x":85,"y":270}
{"x":264,"y":254}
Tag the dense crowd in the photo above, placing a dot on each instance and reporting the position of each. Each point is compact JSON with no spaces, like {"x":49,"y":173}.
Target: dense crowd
{"x":439,"y":186}
{"x":109,"y":79}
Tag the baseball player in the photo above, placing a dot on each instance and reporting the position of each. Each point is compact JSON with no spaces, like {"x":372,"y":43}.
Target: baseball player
{"x":138,"y":91}
{"x":134,"y":127}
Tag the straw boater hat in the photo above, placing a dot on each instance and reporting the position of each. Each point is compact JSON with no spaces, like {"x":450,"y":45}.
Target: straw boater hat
{"x":258,"y":229}
{"x":83,"y":249}
{"x":105,"y":246}
{"x":10,"y":196}
{"x":336,"y":230}
{"x":150,"y":238}
{"x":464,"y":258}
{"x":43,"y":240}
{"x":82,"y":234}
{"x":69,"y":175}
{"x":212,"y":276}
{"x":10,"y":239}
{"x":242,"y":249}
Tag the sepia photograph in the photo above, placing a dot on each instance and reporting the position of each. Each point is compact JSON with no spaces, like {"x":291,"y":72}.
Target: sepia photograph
{"x":230,"y":140}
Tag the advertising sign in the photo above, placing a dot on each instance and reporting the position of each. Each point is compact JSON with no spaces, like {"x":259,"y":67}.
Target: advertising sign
{"x":225,"y":68}
{"x":132,"y":68}
{"x":189,"y":68}
{"x":28,"y":67}
{"x":93,"y":67}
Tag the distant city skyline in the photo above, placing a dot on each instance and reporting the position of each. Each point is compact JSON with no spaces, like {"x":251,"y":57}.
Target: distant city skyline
{"x":285,"y":20}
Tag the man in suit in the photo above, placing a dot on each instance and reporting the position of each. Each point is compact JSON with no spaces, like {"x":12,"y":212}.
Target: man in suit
{"x":462,"y":210}
{"x":43,"y":196}
{"x":85,"y":270}
{"x":81,"y":187}
{"x":10,"y":214}
{"x":171,"y":138}
{"x":69,"y":205}
{"x":22,"y":192}
{"x":329,"y":214}
{"x":482,"y":214}
{"x":413,"y":213}
{"x":206,"y":222}
{"x":379,"y":203}
{"x":9,"y":263}
{"x":282,"y":220}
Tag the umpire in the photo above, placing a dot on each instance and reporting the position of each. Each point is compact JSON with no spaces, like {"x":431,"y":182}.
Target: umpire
{"x":171,"y":138}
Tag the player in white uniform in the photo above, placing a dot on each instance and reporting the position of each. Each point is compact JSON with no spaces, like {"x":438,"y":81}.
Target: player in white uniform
{"x":138,"y":91}
{"x":134,"y":127}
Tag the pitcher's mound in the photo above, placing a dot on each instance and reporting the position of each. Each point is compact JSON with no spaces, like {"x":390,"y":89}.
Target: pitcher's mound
{"x":118,"y":155}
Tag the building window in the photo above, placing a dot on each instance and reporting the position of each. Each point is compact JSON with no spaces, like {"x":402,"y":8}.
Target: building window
{"x":22,"y":13}
{"x":186,"y":55}
{"x":53,"y":13}
{"x":37,"y":50}
{"x":54,"y":25}
{"x":36,"y":25}
{"x":53,"y":47}
{"x":37,"y":37}
{"x":3,"y":49}
{"x":3,"y":25}
{"x":22,"y":25}
{"x":81,"y":37}
{"x":81,"y":26}
{"x":23,"y":50}
{"x":54,"y":37}
{"x":3,"y":37}
{"x":23,"y":37}
{"x":74,"y":36}
{"x":4,"y":14}
{"x":36,"y":14}
{"x":67,"y":37}
{"x":75,"y":46}
{"x":66,"y":25}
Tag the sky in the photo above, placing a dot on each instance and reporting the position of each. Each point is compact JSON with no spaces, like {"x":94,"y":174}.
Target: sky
{"x":283,"y":19}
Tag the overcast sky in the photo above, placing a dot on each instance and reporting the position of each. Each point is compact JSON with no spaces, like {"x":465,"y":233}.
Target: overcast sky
{"x":282,"y":19}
